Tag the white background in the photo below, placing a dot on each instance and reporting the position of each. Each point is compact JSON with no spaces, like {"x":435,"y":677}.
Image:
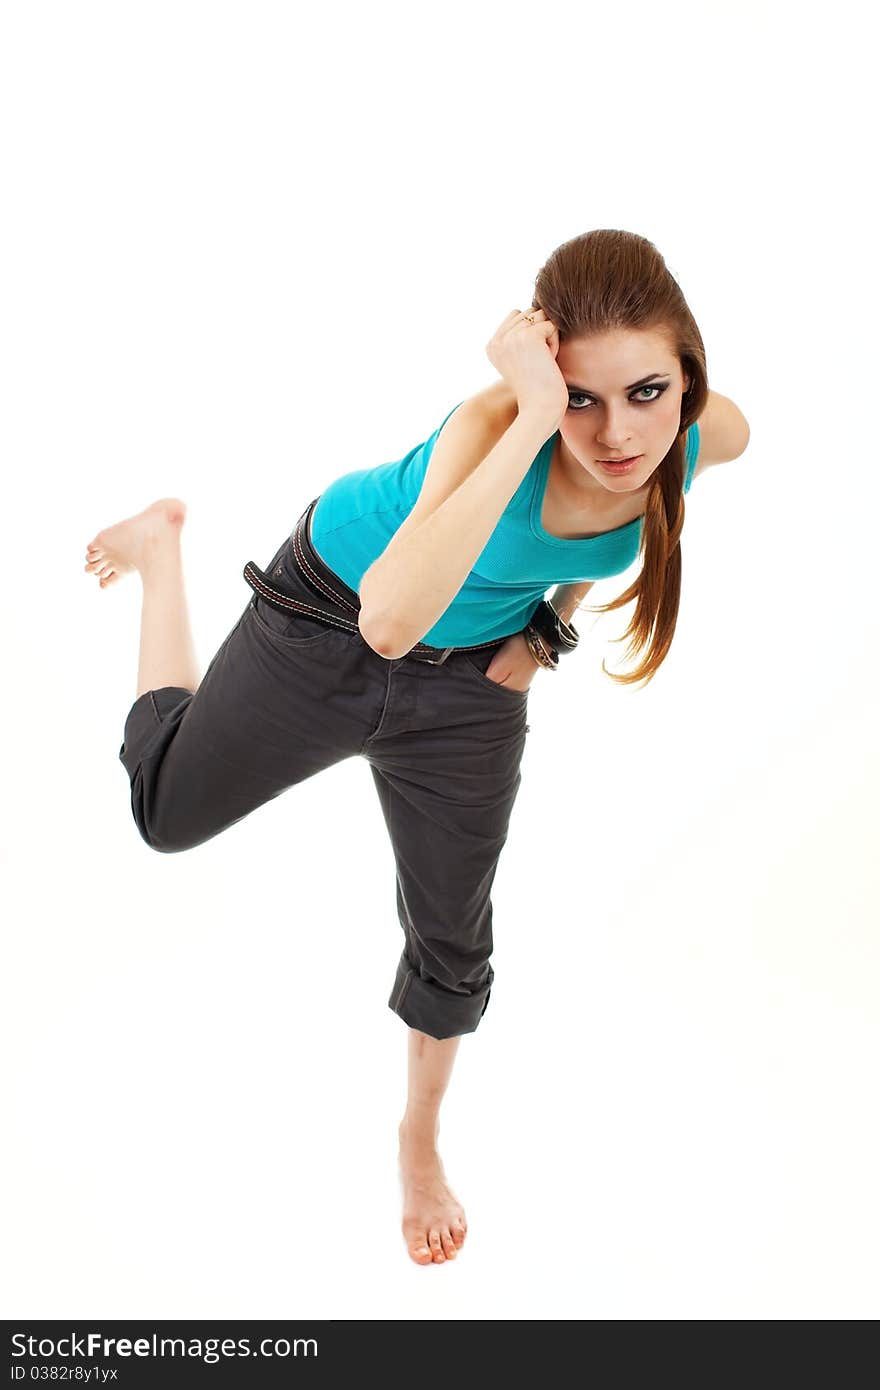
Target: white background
{"x":247,"y":248}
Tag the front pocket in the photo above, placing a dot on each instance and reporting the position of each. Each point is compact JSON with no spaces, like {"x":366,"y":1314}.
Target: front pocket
{"x":471,"y":664}
{"x":289,"y":629}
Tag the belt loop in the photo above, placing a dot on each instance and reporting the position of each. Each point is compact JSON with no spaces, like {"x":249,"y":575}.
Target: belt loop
{"x":430,"y":660}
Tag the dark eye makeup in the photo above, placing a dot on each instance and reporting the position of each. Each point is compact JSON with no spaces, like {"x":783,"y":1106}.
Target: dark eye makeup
{"x":580,"y":408}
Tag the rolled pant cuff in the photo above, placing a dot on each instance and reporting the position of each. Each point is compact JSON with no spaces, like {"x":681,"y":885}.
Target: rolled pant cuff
{"x":434,"y":1010}
{"x":145,"y":720}
{"x":150,"y":726}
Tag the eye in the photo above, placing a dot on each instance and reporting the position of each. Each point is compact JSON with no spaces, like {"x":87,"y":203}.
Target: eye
{"x":634,"y":397}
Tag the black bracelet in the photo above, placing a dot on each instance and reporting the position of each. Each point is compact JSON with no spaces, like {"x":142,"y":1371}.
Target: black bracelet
{"x":561,"y":636}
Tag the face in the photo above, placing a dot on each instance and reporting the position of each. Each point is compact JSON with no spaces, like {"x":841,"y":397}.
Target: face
{"x":613,"y":412}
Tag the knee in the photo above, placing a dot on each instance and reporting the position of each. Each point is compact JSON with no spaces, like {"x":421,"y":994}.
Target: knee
{"x":157,"y":797}
{"x":157,"y":829}
{"x":165,"y":846}
{"x":161,"y":843}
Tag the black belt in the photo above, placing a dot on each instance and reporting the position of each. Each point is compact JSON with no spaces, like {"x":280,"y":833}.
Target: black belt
{"x":327,"y":585}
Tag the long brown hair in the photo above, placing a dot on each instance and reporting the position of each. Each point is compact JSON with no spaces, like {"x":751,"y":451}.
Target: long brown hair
{"x":606,"y":280}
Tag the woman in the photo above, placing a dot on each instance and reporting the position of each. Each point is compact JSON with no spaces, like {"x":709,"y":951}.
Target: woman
{"x":404,"y":620}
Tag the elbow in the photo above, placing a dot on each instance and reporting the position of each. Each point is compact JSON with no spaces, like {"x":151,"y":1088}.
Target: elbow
{"x":386,"y":640}
{"x":376,"y":637}
{"x":384,"y":628}
{"x":371,"y":629}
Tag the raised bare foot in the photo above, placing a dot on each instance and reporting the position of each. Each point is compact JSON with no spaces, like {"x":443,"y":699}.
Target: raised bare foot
{"x":128,"y":545}
{"x":434,"y":1225}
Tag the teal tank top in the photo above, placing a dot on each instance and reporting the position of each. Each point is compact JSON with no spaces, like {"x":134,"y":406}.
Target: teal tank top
{"x":355,"y":518}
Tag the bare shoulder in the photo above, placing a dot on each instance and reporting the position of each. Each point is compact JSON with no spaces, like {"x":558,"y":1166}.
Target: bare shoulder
{"x":724,"y":432}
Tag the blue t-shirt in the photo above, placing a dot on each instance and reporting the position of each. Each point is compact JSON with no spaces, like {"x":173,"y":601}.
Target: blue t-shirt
{"x":356,"y":517}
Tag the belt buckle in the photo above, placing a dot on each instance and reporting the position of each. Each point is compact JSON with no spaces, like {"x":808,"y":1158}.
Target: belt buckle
{"x":438,"y":660}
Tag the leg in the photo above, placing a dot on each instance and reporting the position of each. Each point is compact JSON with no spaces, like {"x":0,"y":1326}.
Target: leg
{"x":447,"y":785}
{"x":167,"y":653}
{"x":274,"y":706}
{"x":150,"y":543}
{"x":447,"y":792}
{"x":434,"y":1224}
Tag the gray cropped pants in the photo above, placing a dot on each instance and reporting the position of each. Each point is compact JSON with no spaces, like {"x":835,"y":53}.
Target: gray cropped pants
{"x":288,"y":695}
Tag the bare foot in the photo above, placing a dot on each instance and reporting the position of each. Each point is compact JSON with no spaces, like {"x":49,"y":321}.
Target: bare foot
{"x":434,"y":1225}
{"x":128,"y":545}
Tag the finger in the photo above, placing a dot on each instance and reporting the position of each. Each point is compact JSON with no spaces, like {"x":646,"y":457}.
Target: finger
{"x":510,"y":323}
{"x":538,"y":316}
{"x":525,"y":316}
{"x":535,"y":319}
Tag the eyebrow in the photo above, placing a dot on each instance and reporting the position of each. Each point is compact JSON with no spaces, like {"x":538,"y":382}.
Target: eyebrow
{"x":642,"y":382}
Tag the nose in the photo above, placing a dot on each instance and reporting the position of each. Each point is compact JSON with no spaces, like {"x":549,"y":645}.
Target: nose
{"x":614,"y":437}
{"x":614,"y":446}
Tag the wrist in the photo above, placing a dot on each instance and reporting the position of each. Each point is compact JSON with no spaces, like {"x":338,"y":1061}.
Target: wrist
{"x":541,"y":420}
{"x":541,"y":652}
{"x":559,"y":637}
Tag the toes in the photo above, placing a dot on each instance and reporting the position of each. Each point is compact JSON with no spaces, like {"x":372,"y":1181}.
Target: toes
{"x":446,"y":1241}
{"x":441,"y":1246}
{"x":459,"y":1231}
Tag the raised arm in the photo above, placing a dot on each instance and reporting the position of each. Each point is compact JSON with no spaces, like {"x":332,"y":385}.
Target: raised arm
{"x":473,"y":474}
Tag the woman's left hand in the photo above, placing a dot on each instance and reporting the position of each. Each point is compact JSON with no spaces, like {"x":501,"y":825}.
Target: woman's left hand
{"x":513,"y":664}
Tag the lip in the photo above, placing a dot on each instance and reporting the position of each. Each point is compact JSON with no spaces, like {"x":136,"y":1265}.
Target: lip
{"x":620,"y":465}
